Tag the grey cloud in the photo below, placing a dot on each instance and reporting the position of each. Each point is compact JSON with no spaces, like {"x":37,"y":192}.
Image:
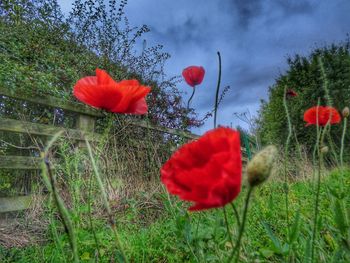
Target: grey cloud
{"x":254,"y":37}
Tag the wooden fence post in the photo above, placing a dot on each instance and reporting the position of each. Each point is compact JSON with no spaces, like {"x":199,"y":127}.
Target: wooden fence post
{"x":85,"y":123}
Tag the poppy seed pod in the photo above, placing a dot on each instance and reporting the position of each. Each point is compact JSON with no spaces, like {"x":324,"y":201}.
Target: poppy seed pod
{"x":346,"y":112}
{"x":324,"y":149}
{"x":259,"y":168}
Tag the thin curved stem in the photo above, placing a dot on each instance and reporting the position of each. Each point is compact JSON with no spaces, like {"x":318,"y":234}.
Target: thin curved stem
{"x":342,"y":142}
{"x":227,"y":226}
{"x":67,"y":222}
{"x":318,"y":186}
{"x":286,"y":188}
{"x":190,"y":99}
{"x":235,"y":211}
{"x":90,"y":219}
{"x":105,"y":201}
{"x":217,"y":91}
{"x":237,"y":248}
{"x":332,"y":148}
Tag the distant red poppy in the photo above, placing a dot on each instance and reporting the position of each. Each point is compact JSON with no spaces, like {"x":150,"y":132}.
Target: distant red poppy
{"x":193,"y":75}
{"x":207,"y":171}
{"x":291,"y":93}
{"x":101,"y":91}
{"x":321,"y":115}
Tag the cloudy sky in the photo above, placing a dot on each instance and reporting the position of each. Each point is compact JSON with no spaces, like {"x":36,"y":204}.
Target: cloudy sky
{"x":254,"y":37}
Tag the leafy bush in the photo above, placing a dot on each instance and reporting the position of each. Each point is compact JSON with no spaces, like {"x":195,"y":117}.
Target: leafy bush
{"x":44,"y":52}
{"x":306,"y":78}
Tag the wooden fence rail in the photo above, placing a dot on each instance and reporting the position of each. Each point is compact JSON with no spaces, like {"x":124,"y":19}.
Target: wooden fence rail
{"x":85,"y":128}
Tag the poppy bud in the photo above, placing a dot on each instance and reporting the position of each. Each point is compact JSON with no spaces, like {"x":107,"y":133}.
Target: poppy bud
{"x":324,"y":149}
{"x":259,"y":168}
{"x":346,"y":112}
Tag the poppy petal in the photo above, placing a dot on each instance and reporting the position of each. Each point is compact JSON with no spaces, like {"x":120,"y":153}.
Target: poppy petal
{"x":193,"y":75}
{"x":101,"y":91}
{"x":208,"y":171}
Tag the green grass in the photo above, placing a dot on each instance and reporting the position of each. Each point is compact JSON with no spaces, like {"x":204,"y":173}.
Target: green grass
{"x":170,"y":234}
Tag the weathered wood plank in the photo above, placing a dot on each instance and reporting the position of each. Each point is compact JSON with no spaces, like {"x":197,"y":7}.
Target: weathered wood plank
{"x":184,"y":134}
{"x":146,"y":125}
{"x":16,"y":203}
{"x":85,"y":123}
{"x":11,"y":125}
{"x":52,"y":102}
{"x":20,"y":162}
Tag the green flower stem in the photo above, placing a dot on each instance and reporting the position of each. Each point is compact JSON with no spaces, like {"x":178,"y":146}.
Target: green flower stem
{"x":54,"y":231}
{"x":68,"y":225}
{"x":317,"y":140}
{"x":227,"y":226}
{"x":332,"y":148}
{"x":50,"y":182}
{"x":90,"y":219}
{"x":235,"y":211}
{"x":105,"y":201}
{"x":217,"y":91}
{"x":237,"y":247}
{"x":286,"y":188}
{"x":318,"y":186}
{"x":190,"y":99}
{"x":342,"y":142}
{"x":325,"y":82}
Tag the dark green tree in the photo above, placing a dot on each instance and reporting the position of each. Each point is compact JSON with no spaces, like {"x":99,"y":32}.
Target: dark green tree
{"x":306,"y":78}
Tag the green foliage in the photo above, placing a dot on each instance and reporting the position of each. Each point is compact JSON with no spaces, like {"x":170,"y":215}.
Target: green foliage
{"x":178,"y":236}
{"x":41,"y":51}
{"x":304,"y":76}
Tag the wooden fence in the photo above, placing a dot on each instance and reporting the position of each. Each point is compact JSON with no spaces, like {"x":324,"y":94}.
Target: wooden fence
{"x":84,"y":128}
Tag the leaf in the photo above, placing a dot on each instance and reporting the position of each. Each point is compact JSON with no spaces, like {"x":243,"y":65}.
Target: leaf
{"x":266,"y":253}
{"x":85,"y":256}
{"x":339,"y":217}
{"x":329,"y":240}
{"x":295,"y":229}
{"x":119,"y":257}
{"x":187,"y":231}
{"x":274,"y":239}
{"x":307,"y":254}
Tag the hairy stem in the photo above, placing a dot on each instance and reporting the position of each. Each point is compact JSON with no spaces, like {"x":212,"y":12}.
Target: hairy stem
{"x":190,"y":99}
{"x":217,"y":90}
{"x":237,"y":247}
{"x":286,"y":188}
{"x":235,"y":211}
{"x":342,"y":142}
{"x":67,"y":222}
{"x":227,"y":226}
{"x":317,"y":195}
{"x":90,"y":219}
{"x":105,"y":201}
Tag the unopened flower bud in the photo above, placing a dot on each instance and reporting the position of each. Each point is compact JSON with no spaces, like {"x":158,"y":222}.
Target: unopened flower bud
{"x":346,"y":112}
{"x":324,"y":149}
{"x":259,"y":168}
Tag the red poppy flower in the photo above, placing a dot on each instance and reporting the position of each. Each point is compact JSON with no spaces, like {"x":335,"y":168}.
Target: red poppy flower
{"x":193,"y":75}
{"x":291,"y":93}
{"x":207,"y":171}
{"x":321,"y":115}
{"x":101,"y":91}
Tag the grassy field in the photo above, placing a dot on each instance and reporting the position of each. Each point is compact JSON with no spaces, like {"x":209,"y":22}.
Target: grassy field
{"x":154,"y":228}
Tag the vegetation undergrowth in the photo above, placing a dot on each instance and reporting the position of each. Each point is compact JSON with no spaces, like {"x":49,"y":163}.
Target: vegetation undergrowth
{"x":162,"y":236}
{"x":104,"y":202}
